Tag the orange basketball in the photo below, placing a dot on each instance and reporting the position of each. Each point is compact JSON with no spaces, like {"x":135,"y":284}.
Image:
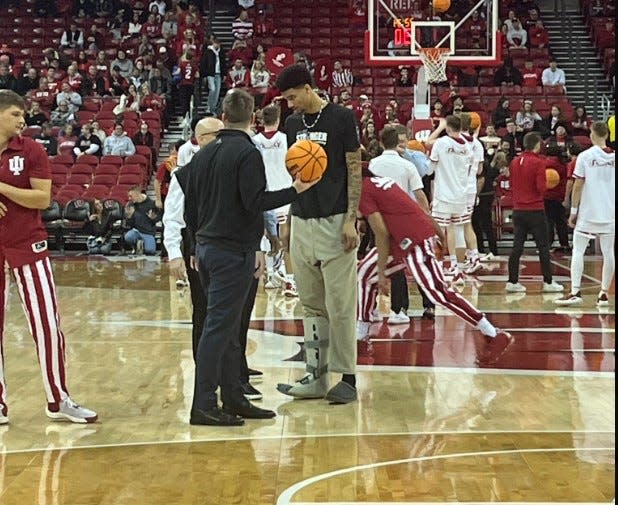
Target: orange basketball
{"x":552,"y":177}
{"x":441,"y":5}
{"x":475,"y":120}
{"x":415,"y":145}
{"x":307,"y":158}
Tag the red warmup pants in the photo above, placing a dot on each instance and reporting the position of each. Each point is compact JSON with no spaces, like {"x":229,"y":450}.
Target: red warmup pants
{"x":422,"y":264}
{"x":35,"y":283}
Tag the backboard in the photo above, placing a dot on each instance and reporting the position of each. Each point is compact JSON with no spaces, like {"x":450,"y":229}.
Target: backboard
{"x":398,"y":28}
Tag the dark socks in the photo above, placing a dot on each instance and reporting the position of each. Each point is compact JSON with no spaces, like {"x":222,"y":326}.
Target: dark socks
{"x":349,"y":378}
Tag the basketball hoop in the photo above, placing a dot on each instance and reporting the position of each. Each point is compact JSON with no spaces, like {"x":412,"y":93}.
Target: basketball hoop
{"x":434,"y":60}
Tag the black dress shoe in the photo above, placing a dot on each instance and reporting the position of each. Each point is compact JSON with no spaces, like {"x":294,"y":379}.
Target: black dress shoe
{"x":215,"y":417}
{"x":247,"y":410}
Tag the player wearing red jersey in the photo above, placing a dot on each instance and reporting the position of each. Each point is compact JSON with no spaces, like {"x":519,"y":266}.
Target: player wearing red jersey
{"x":407,"y":238}
{"x":25,"y":189}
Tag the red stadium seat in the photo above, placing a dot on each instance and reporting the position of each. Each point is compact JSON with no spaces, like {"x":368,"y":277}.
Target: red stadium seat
{"x":130,"y":179}
{"x":106,"y":180}
{"x":62,"y":159}
{"x":106,"y":169}
{"x":553,"y":90}
{"x":96,"y":191}
{"x":531,"y":90}
{"x":82,"y":168}
{"x":138,"y":159}
{"x":79,"y":180}
{"x":31,"y":131}
{"x":89,"y":159}
{"x":86,"y":116}
{"x":111,"y":160}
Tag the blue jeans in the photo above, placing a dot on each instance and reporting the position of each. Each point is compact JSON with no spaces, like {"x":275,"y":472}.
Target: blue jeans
{"x":228,"y":276}
{"x":95,"y":247}
{"x":132,"y":236}
{"x":214,"y":90}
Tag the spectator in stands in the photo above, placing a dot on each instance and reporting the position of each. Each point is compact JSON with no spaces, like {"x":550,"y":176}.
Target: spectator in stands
{"x":533,"y":17}
{"x":47,"y":139}
{"x":366,"y":115}
{"x":264,"y":27}
{"x":511,"y":17}
{"x":87,"y":143}
{"x":437,"y":113}
{"x":242,"y":27}
{"x":552,"y":121}
{"x":260,"y":78}
{"x":94,"y":84}
{"x":490,"y":140}
{"x":341,"y":77}
{"x":475,"y":28}
{"x":134,"y":28}
{"x":138,"y":76}
{"x":101,"y":63}
{"x":374,"y":149}
{"x":151,"y":28}
{"x":118,"y":85}
{"x":238,"y":76}
{"x":169,"y":27}
{"x":507,"y":74}
{"x":7,"y":79}
{"x":141,"y":219}
{"x":144,"y":137}
{"x":72,"y":37}
{"x":103,"y":8}
{"x":66,"y":139}
{"x":53,"y":80}
{"x":73,"y":99}
{"x":164,"y":174}
{"x":84,"y":9}
{"x":116,"y":26}
{"x":98,"y":131}
{"x":35,"y":116}
{"x":62,"y":114}
{"x":561,"y":138}
{"x":118,"y":143}
{"x":74,"y":78}
{"x":145,"y":47}
{"x":369,"y":133}
{"x":240,"y":50}
{"x":514,"y":137}
{"x":158,"y":84}
{"x":213,"y":65}
{"x":404,"y":79}
{"x":606,"y":37}
{"x":124,"y":64}
{"x":597,"y":8}
{"x":531,"y":76}
{"x":517,"y":36}
{"x":553,"y":76}
{"x":527,"y":118}
{"x":160,"y":5}
{"x":538,"y":35}
{"x":99,"y":227}
{"x":150,"y":100}
{"x":502,"y":113}
{"x":42,"y":94}
{"x":581,"y":122}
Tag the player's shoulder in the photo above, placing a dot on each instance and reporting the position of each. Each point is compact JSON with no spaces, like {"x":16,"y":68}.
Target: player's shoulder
{"x":28,"y":146}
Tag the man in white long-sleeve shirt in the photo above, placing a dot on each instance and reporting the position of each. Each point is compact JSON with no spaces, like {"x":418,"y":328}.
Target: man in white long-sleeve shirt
{"x":190,"y":147}
{"x":553,"y":76}
{"x":174,"y":223}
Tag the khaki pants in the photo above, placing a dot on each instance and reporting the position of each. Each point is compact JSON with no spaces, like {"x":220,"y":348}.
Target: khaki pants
{"x":326,"y":280}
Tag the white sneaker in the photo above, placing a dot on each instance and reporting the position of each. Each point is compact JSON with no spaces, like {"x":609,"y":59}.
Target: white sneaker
{"x":571,"y":299}
{"x":272,"y":283}
{"x":473,"y":266}
{"x":515,"y":287}
{"x":376,"y":317}
{"x":4,"y":419}
{"x":68,"y":410}
{"x":602,"y":299}
{"x":399,"y":318}
{"x":487,"y":257}
{"x":554,"y":287}
{"x":290,"y":290}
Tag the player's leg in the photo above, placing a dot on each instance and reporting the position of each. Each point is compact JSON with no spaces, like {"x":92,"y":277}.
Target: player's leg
{"x":520,"y":232}
{"x":539,"y":233}
{"x":199,"y":300}
{"x":37,"y":290}
{"x":310,"y":283}
{"x":245,"y":320}
{"x":367,"y":275}
{"x":131,"y":237}
{"x":580,"y":243}
{"x":150,"y":243}
{"x":4,"y":294}
{"x":472,"y":252}
{"x":609,"y":266}
{"x":424,"y":266}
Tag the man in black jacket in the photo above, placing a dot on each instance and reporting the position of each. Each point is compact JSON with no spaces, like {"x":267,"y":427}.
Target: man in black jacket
{"x":226,"y":196}
{"x":213,"y":66}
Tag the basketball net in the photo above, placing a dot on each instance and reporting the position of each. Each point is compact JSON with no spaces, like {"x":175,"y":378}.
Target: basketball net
{"x":434,"y":61}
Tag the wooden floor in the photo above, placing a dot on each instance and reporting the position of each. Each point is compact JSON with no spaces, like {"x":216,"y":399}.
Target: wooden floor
{"x":433,"y":424}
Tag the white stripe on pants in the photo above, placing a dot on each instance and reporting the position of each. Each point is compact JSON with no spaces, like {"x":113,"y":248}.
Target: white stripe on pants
{"x":37,"y":291}
{"x":424,"y":267}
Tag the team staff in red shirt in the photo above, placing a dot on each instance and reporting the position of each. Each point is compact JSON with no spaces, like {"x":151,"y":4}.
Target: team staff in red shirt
{"x":25,"y":189}
{"x":528,"y":187}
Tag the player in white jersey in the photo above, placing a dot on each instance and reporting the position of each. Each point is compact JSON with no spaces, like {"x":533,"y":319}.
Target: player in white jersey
{"x":450,"y":160}
{"x":273,"y":145}
{"x":477,"y":158}
{"x":593,"y":212}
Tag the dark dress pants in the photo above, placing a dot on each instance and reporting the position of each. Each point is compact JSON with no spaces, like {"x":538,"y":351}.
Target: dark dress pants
{"x":524,"y":222}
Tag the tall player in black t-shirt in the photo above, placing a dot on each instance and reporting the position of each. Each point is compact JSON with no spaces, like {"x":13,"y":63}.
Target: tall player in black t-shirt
{"x":323,"y":240}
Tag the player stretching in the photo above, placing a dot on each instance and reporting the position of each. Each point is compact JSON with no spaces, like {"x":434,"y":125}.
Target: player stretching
{"x":25,"y":190}
{"x":407,"y":238}
{"x":593,"y":212}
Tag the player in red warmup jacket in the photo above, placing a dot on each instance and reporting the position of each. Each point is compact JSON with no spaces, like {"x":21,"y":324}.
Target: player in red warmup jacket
{"x":25,"y":190}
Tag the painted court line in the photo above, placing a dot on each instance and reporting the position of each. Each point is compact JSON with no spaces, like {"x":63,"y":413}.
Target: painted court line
{"x":287,"y":495}
{"x":567,"y":267}
{"x":448,"y":503}
{"x":242,"y":438}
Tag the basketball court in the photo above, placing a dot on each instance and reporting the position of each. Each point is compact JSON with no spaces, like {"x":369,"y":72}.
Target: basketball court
{"x":436,"y":421}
